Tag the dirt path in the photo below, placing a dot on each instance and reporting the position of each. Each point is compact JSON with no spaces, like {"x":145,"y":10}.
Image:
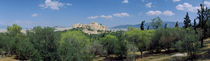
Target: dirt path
{"x":8,"y":59}
{"x":154,"y":58}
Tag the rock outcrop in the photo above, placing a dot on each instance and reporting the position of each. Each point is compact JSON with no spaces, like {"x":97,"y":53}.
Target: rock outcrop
{"x":92,"y":28}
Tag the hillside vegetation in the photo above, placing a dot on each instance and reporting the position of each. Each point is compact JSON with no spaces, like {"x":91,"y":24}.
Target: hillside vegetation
{"x":186,"y":43}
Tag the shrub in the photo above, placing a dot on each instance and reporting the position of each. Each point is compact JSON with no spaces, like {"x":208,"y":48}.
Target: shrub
{"x":178,"y":46}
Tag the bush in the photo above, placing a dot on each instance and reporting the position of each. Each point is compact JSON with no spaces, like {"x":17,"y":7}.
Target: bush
{"x":178,"y":46}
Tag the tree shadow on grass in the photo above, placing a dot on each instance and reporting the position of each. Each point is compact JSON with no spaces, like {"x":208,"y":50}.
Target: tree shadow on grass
{"x":205,"y":55}
{"x":205,"y":52}
{"x":114,"y":58}
{"x":154,"y":55}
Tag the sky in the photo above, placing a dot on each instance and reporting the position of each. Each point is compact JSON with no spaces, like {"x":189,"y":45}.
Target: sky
{"x":65,"y":13}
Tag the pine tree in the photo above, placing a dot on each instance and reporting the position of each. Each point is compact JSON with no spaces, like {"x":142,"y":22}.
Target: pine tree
{"x":142,"y":25}
{"x":177,"y":24}
{"x":187,"y":21}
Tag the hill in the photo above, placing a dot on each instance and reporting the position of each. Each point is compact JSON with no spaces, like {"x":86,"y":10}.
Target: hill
{"x":170,"y":25}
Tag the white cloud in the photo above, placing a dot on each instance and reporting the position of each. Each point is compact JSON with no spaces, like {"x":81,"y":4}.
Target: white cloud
{"x":142,"y":0}
{"x":157,"y":13}
{"x":187,"y":7}
{"x":176,"y":0}
{"x":154,"y":12}
{"x":207,"y":3}
{"x":54,"y":5}
{"x":168,"y":13}
{"x":93,"y":17}
{"x":106,"y":17}
{"x":149,"y":5}
{"x":34,"y":15}
{"x":69,"y":4}
{"x":125,"y":1}
{"x":121,"y":14}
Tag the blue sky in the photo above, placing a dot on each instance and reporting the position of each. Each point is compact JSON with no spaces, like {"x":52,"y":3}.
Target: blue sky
{"x":29,"y":13}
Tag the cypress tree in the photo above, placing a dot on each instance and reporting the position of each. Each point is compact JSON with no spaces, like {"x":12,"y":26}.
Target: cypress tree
{"x":165,"y":25}
{"x":177,"y":24}
{"x":187,"y":21}
{"x":148,"y":27}
{"x":142,"y":25}
{"x":194,"y":23}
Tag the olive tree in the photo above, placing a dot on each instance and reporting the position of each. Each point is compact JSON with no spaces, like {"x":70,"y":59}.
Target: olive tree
{"x":12,"y":37}
{"x":156,"y":23}
{"x":74,"y":46}
{"x":44,"y":41}
{"x":190,"y":43}
{"x":113,"y":45}
{"x":140,"y":38}
{"x":25,"y":50}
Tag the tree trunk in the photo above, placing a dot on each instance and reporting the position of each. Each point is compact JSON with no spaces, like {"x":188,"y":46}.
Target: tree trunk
{"x":202,"y":42}
{"x":141,"y":51}
{"x":141,"y":54}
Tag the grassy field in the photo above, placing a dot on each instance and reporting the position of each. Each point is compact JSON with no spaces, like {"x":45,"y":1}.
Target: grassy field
{"x":203,"y":55}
